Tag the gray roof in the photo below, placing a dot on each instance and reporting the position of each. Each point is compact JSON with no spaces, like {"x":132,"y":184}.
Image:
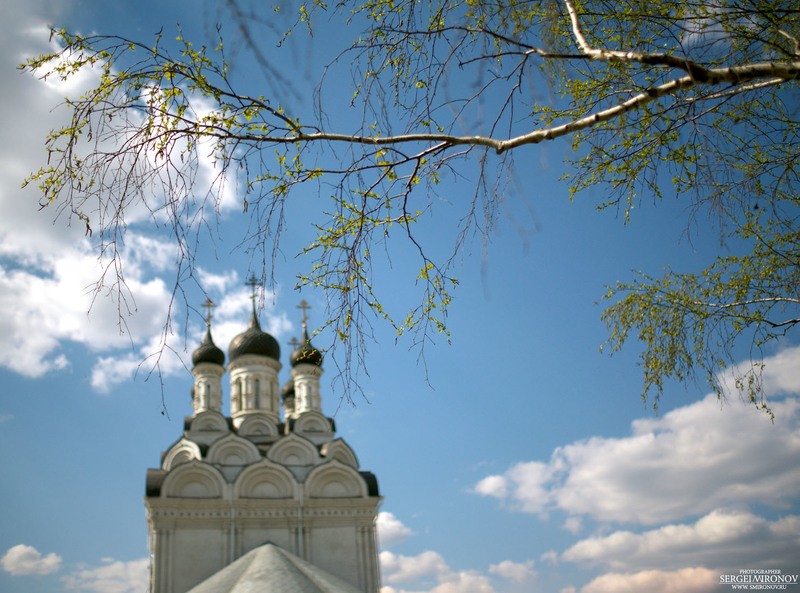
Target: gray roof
{"x":254,"y":341}
{"x":208,"y":352}
{"x":306,"y":353}
{"x":270,"y":569}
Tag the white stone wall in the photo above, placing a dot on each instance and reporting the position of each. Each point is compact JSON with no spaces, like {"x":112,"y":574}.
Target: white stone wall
{"x":235,"y":493}
{"x":191,"y":539}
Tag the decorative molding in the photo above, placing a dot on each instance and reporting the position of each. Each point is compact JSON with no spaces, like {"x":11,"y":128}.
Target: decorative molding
{"x":293,"y":450}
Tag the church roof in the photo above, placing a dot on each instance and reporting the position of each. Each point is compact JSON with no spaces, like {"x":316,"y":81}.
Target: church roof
{"x":306,"y":353}
{"x":271,"y":569}
{"x":254,"y":341}
{"x":208,"y":352}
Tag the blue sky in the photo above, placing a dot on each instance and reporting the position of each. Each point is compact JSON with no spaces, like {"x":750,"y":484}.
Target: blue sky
{"x":518,"y":458}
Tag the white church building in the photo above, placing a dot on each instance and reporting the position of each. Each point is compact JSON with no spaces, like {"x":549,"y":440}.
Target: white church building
{"x":268,"y":499}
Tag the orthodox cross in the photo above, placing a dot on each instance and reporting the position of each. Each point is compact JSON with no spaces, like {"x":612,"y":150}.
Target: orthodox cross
{"x":294,"y":343}
{"x":209,"y":305}
{"x":305,"y":307}
{"x":253,"y":283}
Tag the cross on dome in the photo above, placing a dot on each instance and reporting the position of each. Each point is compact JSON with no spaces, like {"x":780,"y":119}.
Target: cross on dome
{"x":253,"y":340}
{"x":253,"y":283}
{"x":304,"y":352}
{"x":305,"y":307}
{"x":208,"y":351}
{"x":209,"y":306}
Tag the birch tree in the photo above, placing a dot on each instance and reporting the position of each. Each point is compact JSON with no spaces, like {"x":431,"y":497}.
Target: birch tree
{"x":696,"y":98}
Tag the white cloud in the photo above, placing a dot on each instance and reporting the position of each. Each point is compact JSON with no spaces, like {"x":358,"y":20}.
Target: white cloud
{"x":233,"y":313}
{"x":465,"y":581}
{"x":402,"y":569}
{"x":391,"y":530}
{"x":49,"y":269}
{"x":225,"y":183}
{"x":781,"y":372}
{"x":706,"y":462}
{"x":518,"y":572}
{"x":203,"y":189}
{"x":721,"y":539}
{"x":496,"y":486}
{"x":217,"y":282}
{"x":689,"y":462}
{"x":230,"y":319}
{"x":50,"y":306}
{"x":109,"y":371}
{"x":430,"y":573}
{"x":573,"y":525}
{"x":686,"y":580}
{"x":462,"y":582}
{"x":550,"y":557}
{"x":114,"y":576}
{"x":27,"y":560}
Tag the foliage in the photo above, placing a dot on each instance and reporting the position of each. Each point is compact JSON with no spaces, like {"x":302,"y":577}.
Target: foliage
{"x":700,"y":96}
{"x":694,"y":320}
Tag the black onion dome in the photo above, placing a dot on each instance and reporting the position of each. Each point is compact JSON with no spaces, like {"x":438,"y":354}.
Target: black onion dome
{"x":287,"y":390}
{"x":306,"y":353}
{"x":254,"y":341}
{"x":208,"y":352}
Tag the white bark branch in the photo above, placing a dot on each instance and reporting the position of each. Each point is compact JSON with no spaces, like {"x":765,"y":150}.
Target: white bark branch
{"x":773,"y":72}
{"x":749,"y":76}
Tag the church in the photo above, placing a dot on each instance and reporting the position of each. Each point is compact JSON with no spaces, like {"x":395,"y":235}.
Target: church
{"x":267,"y":499}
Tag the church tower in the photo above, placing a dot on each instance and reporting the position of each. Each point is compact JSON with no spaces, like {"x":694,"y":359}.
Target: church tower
{"x":207,"y":369}
{"x":269,"y":483}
